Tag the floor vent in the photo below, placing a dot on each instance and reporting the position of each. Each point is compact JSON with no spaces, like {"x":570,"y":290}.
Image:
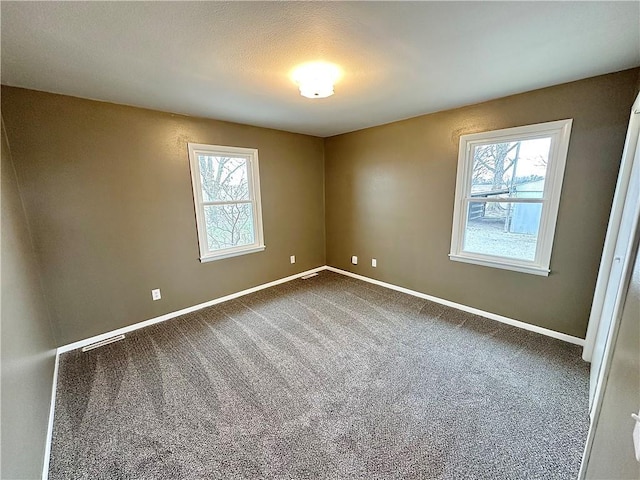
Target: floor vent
{"x":103,"y":343}
{"x":304,"y":277}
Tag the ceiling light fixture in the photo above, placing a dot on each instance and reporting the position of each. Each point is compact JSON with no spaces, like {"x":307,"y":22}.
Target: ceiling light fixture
{"x":316,"y":79}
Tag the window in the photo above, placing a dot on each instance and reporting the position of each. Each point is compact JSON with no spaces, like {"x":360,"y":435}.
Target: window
{"x":226,"y":191}
{"x":507,"y":196}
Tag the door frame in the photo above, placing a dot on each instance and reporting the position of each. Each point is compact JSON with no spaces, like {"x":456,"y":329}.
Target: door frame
{"x":628,"y":160}
{"x":617,"y":207}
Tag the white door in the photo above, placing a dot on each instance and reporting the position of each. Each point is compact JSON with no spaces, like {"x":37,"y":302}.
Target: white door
{"x":611,"y":307}
{"x":610,"y":243}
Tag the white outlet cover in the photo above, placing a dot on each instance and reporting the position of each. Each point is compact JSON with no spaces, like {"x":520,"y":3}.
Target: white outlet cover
{"x":374,"y":262}
{"x":293,"y":259}
{"x":354,"y":260}
{"x":155,"y":294}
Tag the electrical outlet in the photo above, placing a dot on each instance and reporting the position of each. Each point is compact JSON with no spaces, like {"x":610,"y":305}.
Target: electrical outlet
{"x":155,"y":294}
{"x":354,"y":260}
{"x":292,"y":258}
{"x":374,"y":262}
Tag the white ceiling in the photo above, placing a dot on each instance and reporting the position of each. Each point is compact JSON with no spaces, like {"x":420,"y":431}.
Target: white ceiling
{"x":231,"y":60}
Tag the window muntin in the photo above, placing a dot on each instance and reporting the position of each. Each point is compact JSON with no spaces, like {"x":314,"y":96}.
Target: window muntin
{"x":507,"y":196}
{"x":226,"y":191}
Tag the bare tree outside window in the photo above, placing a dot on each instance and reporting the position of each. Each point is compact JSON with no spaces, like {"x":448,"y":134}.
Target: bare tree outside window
{"x":507,"y":196}
{"x":492,"y":163}
{"x":500,"y":171}
{"x":228,"y":209}
{"x":499,"y":168}
{"x":226,"y":194}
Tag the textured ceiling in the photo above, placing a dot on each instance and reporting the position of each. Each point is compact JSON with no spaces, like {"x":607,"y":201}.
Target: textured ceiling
{"x":231,"y":60}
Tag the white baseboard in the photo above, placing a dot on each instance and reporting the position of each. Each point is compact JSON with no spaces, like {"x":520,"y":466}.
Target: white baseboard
{"x":168,"y":316}
{"x":52,"y":408}
{"x":459,"y":306}
{"x":465,"y":308}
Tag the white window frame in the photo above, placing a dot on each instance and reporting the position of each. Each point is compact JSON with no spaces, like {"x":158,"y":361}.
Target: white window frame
{"x":253,"y":174}
{"x":559,"y":131}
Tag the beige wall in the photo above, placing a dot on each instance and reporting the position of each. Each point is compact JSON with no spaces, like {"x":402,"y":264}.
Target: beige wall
{"x":108,"y":197}
{"x":28,"y":354}
{"x":612,"y":454}
{"x":390,"y":192}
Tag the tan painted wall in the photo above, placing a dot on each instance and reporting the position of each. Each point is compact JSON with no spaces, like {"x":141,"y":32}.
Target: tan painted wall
{"x":28,"y":354}
{"x":390,"y":192}
{"x":612,"y":454}
{"x":108,"y":197}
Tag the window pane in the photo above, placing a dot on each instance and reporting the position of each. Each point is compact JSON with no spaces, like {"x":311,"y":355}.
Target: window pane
{"x":503,"y":229}
{"x":223,"y":179}
{"x":514,"y":169}
{"x":229,"y":225}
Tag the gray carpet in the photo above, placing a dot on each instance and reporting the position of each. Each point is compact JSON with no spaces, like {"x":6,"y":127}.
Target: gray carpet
{"x":329,"y":378}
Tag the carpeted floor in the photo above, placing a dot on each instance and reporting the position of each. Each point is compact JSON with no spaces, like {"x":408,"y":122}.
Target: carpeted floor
{"x":326,"y":378}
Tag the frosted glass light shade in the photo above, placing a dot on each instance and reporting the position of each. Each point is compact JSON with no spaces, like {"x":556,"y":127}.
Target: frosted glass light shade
{"x":316,"y":79}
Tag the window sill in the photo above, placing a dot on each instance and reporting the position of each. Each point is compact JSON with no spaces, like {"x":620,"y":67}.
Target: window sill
{"x":505,"y":265}
{"x":232,"y":253}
